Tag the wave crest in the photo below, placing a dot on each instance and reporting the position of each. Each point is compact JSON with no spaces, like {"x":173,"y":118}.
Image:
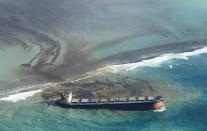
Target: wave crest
{"x":160,"y":110}
{"x":154,"y":62}
{"x":20,"y":96}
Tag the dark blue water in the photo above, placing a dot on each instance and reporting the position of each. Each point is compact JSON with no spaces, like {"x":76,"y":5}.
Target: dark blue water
{"x":191,"y":76}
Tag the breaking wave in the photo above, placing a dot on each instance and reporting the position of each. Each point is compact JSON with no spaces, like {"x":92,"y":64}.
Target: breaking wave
{"x":21,"y":93}
{"x":154,"y":62}
{"x":160,"y":110}
{"x":20,"y":96}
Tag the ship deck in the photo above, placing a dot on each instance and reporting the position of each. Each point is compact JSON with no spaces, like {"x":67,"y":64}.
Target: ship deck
{"x":88,"y":102}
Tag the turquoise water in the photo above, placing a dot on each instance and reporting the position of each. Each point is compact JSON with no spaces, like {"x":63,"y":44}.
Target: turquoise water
{"x":11,"y":60}
{"x":165,"y":22}
{"x":185,"y":113}
{"x":154,"y":22}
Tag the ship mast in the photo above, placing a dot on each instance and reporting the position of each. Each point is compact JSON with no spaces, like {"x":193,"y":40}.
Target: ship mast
{"x":69,"y":99}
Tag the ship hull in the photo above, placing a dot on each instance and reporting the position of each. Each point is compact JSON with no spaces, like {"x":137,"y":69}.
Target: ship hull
{"x":142,"y":106}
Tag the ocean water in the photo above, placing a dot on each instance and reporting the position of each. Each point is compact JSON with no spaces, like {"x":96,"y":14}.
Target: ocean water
{"x":180,"y":78}
{"x":185,"y":105}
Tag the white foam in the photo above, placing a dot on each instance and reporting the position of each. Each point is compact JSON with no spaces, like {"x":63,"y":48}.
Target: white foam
{"x":20,"y":96}
{"x":154,"y":62}
{"x":160,"y":110}
{"x":82,"y":78}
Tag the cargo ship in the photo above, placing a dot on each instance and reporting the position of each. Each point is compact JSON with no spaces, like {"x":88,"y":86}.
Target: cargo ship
{"x":142,"y":103}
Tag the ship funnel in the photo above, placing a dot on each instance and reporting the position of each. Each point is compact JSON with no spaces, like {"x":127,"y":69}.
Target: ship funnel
{"x":70,"y":97}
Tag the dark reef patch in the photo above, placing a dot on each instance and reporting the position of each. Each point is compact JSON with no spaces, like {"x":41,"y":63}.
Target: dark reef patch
{"x":112,"y":86}
{"x":155,"y":51}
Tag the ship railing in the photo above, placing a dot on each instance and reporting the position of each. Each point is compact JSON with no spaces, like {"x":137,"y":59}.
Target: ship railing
{"x":115,"y":100}
{"x":101,"y":103}
{"x":118,"y":100}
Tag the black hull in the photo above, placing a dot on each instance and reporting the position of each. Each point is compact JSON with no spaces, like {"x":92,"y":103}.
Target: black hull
{"x":111,"y":106}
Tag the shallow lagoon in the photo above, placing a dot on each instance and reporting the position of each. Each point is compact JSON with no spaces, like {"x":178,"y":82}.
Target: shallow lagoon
{"x":163,"y":22}
{"x":11,"y":60}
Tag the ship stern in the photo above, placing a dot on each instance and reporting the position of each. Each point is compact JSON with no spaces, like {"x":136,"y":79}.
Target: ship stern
{"x":158,"y":104}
